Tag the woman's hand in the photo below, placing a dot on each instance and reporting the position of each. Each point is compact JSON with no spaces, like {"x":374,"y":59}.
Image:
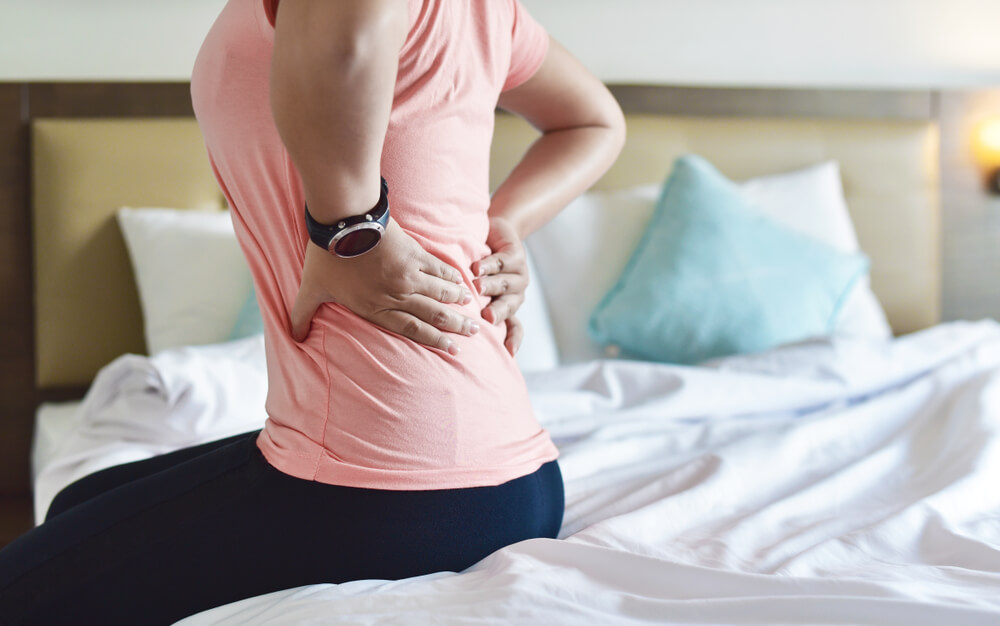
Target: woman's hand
{"x":398,"y":286}
{"x":504,"y":276}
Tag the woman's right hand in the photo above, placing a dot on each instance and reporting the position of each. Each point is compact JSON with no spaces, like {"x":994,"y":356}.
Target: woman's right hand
{"x":398,"y":286}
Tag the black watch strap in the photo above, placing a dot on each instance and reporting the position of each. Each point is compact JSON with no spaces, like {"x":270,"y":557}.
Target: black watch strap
{"x":355,"y":235}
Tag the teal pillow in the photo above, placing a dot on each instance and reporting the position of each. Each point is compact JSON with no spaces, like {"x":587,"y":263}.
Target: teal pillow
{"x":249,"y":321}
{"x":713,"y":276}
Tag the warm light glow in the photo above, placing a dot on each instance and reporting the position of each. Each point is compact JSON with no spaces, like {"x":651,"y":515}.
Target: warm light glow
{"x":986,"y":142}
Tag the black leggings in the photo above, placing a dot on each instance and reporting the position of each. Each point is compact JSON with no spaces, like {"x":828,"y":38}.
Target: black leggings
{"x":155,"y":541}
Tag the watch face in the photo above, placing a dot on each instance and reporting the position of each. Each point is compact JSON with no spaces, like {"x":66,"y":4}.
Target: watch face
{"x":357,"y":242}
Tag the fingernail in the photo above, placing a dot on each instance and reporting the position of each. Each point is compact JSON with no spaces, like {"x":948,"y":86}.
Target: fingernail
{"x":466,"y":297}
{"x":473,"y":328}
{"x":452,"y":348}
{"x":480,"y":272}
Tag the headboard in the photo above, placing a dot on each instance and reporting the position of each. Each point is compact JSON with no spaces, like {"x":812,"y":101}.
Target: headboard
{"x":86,"y":311}
{"x":86,"y":302}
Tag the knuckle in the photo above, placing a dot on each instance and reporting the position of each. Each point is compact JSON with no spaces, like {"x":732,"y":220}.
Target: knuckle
{"x":440,"y":319}
{"x":401,"y":284}
{"x":504,"y":285}
{"x":411,"y":328}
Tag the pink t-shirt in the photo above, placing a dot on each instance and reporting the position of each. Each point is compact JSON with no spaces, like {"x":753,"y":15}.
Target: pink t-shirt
{"x":354,"y":404}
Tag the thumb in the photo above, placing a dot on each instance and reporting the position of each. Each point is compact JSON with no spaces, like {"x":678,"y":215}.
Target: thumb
{"x":302,"y":313}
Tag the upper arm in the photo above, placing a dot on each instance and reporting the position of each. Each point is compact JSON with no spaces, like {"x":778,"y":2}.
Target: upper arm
{"x":333,"y":75}
{"x":339,"y":26}
{"x":561,"y":94}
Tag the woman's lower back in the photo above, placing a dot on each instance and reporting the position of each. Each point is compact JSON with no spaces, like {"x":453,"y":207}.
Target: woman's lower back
{"x":387,"y":413}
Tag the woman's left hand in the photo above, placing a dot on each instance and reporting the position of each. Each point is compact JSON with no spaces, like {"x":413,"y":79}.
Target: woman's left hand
{"x":503,"y":275}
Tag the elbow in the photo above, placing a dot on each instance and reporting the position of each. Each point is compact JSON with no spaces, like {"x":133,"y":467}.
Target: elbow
{"x":617,"y":130}
{"x":612,"y":120}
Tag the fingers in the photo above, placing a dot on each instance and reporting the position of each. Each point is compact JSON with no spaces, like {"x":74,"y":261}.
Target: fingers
{"x":434,"y":266}
{"x":441,"y":290}
{"x":418,"y":330}
{"x":440,"y":316}
{"x":515,"y":335}
{"x":502,"y":284}
{"x":502,"y":308}
{"x":498,"y":262}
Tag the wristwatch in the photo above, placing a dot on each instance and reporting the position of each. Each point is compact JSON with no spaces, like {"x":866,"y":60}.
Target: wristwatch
{"x":355,"y":235}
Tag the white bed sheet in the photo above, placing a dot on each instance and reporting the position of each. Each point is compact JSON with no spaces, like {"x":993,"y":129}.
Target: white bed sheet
{"x":53,"y":422}
{"x":831,"y":482}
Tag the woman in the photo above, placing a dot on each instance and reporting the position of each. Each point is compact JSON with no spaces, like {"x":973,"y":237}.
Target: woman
{"x":399,"y":438}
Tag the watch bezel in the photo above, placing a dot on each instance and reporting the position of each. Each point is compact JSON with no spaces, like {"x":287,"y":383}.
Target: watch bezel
{"x":347,"y":230}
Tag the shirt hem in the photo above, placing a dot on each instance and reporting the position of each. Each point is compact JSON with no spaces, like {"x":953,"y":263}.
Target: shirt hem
{"x":333,"y":472}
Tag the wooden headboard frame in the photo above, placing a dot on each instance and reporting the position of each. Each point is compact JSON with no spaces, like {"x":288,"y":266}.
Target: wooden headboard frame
{"x":21,"y":103}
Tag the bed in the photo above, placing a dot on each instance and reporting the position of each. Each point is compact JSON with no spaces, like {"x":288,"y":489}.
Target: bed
{"x":842,"y":478}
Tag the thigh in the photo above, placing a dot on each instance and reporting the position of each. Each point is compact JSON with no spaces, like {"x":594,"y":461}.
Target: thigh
{"x":150,"y":551}
{"x":226,"y":525}
{"x":104,"y":480}
{"x":354,"y":534}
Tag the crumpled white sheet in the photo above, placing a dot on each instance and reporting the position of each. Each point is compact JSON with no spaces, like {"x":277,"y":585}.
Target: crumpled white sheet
{"x":139,"y":407}
{"x":829,"y":482}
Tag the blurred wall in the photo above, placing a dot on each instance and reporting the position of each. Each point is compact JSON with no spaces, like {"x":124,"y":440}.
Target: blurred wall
{"x":841,"y":43}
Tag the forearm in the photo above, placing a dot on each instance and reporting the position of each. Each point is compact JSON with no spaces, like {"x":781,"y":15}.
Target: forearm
{"x":583,"y":130}
{"x":559,"y":166}
{"x":333,"y":74}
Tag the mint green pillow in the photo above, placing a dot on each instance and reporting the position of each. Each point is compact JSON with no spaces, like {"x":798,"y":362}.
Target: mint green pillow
{"x":249,"y":321}
{"x":712,"y":276}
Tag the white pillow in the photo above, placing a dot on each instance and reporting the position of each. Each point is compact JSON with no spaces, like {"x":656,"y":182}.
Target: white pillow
{"x":538,"y":348}
{"x":584,"y":249}
{"x":811,"y":201}
{"x":580,"y":254}
{"x":190,"y":273}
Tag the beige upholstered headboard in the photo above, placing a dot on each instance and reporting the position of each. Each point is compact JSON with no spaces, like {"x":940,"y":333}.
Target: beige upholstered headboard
{"x":87,"y":309}
{"x":86,"y":304}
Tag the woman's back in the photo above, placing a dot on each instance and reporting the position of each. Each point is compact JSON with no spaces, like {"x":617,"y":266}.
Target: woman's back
{"x":355,"y":404}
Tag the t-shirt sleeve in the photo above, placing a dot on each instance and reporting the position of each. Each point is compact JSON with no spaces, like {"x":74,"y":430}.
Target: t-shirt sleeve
{"x":529,"y":45}
{"x":270,"y":10}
